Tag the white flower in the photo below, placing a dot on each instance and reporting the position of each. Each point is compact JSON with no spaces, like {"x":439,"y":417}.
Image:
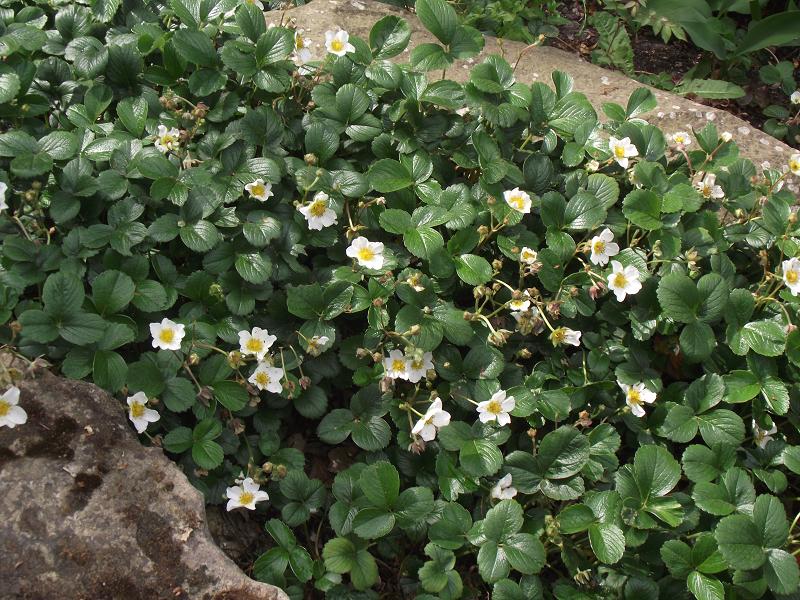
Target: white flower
{"x":317,"y":212}
{"x":635,"y":395}
{"x":11,"y":414}
{"x":139,"y":414}
{"x":794,"y":164}
{"x":259,"y":190}
{"x":623,"y":280}
{"x":528,"y":256}
{"x":726,"y":136}
{"x":518,"y":200}
{"x":3,"y":188}
{"x":761,"y":436}
{"x":418,"y":368}
{"x":434,"y":419}
{"x":367,"y":254}
{"x":791,"y":275}
{"x":396,"y":365}
{"x":603,"y":247}
{"x":167,"y":335}
{"x":708,"y":187}
{"x":301,"y":54}
{"x":622,"y":150}
{"x":266,"y":377}
{"x":245,"y":496}
{"x":520,"y":304}
{"x":681,"y":138}
{"x":257,"y":3}
{"x":592,"y":166}
{"x":795,"y":97}
{"x":503,"y":489}
{"x":167,"y":139}
{"x":497,"y":408}
{"x":316,"y":344}
{"x":256,"y":342}
{"x":337,"y":42}
{"x":565,"y":335}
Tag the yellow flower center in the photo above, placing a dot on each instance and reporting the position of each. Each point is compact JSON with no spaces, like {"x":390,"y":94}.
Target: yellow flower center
{"x":494,"y":407}
{"x":246,"y":498}
{"x":262,"y":378}
{"x":257,"y":190}
{"x":528,"y":256}
{"x":366,"y":254}
{"x":619,"y":151}
{"x":794,"y":165}
{"x":620,"y":280}
{"x":791,"y":276}
{"x":634,"y":397}
{"x":337,"y":45}
{"x":299,"y":42}
{"x":398,"y":365}
{"x":254,"y":345}
{"x":706,"y":190}
{"x":558,"y":335}
{"x":5,"y":408}
{"x":416,"y":365}
{"x":137,"y":410}
{"x":317,"y":208}
{"x":599,"y":247}
{"x":167,"y":335}
{"x":517,"y":202}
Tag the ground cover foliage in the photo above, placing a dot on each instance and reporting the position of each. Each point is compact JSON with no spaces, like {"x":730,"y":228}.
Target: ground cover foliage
{"x":447,"y":341}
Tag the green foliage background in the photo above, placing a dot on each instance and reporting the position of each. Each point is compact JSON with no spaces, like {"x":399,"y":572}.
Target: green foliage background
{"x":105,"y":234}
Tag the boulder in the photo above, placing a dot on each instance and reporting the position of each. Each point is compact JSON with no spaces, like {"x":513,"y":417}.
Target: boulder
{"x":88,"y":512}
{"x":673,"y":113}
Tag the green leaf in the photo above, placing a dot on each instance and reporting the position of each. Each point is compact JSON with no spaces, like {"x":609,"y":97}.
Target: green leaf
{"x":195,"y":46}
{"x":584,"y":211}
{"x":767,"y":338}
{"x":133,"y":114}
{"x":9,"y":87}
{"x":389,"y":37}
{"x":781,"y":572}
{"x":739,"y":542}
{"x":112,"y":291}
{"x":562,"y":453}
{"x":769,"y":517}
{"x":480,"y":458}
{"x":677,"y":556}
{"x":640,"y":101}
{"x":388,"y":175}
{"x":713,"y":89}
{"x":207,"y":454}
{"x":575,"y":518}
{"x":439,"y":18}
{"x":525,"y":553}
{"x":608,"y":542}
{"x":505,"y":519}
{"x":380,"y":483}
{"x":423,"y":242}
{"x":704,"y":587}
{"x":643,"y":208}
{"x":775,"y":30}
{"x":473,"y":269}
{"x":230,"y":394}
{"x":678,"y":297}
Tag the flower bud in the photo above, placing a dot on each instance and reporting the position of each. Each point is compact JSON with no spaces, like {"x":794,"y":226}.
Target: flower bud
{"x":280,"y":471}
{"x":267,"y":467}
{"x":235,"y":359}
{"x":193,"y":359}
{"x":310,"y":159}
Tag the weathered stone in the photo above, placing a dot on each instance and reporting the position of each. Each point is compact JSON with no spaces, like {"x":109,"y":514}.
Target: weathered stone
{"x":674,"y":113}
{"x":88,"y":512}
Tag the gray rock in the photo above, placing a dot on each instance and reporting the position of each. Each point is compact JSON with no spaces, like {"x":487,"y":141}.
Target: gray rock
{"x":88,"y":512}
{"x":673,"y":113}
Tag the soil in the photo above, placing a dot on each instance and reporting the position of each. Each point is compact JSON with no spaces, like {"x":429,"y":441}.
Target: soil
{"x":653,"y":57}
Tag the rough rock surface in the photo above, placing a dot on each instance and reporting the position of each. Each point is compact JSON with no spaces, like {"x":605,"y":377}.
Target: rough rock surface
{"x":90,"y":513}
{"x":674,"y":113}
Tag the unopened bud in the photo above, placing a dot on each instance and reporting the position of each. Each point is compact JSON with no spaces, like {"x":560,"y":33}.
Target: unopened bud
{"x":280,"y":471}
{"x":310,"y":159}
{"x":267,"y":467}
{"x":194,"y":359}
